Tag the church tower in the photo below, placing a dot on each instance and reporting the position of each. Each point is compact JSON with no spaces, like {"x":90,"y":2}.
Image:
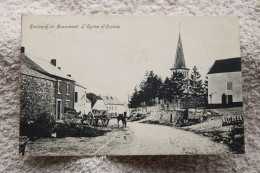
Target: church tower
{"x":179,"y":63}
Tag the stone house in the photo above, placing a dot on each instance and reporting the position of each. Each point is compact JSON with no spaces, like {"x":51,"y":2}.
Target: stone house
{"x":225,"y":83}
{"x":35,"y":91}
{"x":52,"y":90}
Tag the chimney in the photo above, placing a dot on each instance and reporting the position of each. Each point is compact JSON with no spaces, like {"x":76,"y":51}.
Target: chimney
{"x":53,"y":61}
{"x":69,"y":75}
{"x":59,"y":68}
{"x":22,"y":49}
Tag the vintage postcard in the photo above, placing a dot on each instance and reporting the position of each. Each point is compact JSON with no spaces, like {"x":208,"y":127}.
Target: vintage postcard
{"x":130,"y":85}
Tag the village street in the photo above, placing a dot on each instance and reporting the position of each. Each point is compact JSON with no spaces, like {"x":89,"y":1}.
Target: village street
{"x":136,"y":139}
{"x":150,"y":139}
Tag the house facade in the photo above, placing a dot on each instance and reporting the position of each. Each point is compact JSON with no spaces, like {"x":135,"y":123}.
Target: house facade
{"x":114,"y":106}
{"x":37,"y":91}
{"x":225,"y":83}
{"x":54,"y":91}
{"x":82,"y":103}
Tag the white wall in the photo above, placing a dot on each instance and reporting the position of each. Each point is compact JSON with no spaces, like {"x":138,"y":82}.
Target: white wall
{"x":119,"y":109}
{"x":217,"y":84}
{"x":81,"y":104}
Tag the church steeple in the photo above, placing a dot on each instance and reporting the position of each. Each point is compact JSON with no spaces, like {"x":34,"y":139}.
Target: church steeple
{"x":179,"y":62}
{"x":179,"y":56}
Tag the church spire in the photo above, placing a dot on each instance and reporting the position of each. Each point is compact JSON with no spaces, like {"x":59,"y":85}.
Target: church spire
{"x":179,"y":56}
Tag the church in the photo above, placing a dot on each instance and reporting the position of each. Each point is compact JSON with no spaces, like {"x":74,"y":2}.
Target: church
{"x":179,"y":63}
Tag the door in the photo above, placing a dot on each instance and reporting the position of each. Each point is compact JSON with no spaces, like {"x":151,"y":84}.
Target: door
{"x":230,"y":99}
{"x":224,"y":99}
{"x":58,"y":109}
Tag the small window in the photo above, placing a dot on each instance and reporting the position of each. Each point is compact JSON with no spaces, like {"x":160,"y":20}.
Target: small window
{"x":59,"y":87}
{"x":76,"y":97}
{"x":68,"y":88}
{"x":67,"y":103}
{"x":229,"y":86}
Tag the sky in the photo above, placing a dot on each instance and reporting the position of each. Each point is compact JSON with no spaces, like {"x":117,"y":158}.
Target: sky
{"x":111,"y":58}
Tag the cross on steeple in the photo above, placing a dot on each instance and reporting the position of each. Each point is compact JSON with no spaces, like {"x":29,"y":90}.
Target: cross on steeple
{"x":179,"y":28}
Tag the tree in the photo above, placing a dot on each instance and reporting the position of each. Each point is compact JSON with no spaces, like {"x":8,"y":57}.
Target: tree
{"x":196,"y":86}
{"x":196,"y":89}
{"x":150,"y":87}
{"x":93,"y":98}
{"x":205,"y":90}
{"x":134,"y":100}
{"x":173,"y":87}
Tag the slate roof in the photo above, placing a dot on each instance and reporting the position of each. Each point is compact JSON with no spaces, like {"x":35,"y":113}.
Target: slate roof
{"x":30,"y":72}
{"x":226,"y":65}
{"x":44,"y":66}
{"x":99,"y":105}
{"x":78,"y":84}
{"x":109,"y":100}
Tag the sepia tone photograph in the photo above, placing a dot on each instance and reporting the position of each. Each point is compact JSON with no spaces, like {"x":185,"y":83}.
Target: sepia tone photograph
{"x":130,"y":85}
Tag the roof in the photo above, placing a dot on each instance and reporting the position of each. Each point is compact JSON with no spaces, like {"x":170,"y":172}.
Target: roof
{"x":109,"y":100}
{"x":100,"y":105}
{"x":30,"y":72}
{"x":78,"y":84}
{"x":179,"y":62}
{"x":226,"y":65}
{"x":44,"y":66}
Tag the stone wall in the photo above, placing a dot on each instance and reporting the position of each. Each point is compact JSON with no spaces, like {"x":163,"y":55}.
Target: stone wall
{"x":37,"y":96}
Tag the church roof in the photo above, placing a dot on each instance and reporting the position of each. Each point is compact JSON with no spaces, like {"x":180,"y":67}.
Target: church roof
{"x":179,"y":62}
{"x":226,"y":65}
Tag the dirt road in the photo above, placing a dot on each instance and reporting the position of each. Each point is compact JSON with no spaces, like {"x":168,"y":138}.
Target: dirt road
{"x":135,"y":139}
{"x":149,"y":139}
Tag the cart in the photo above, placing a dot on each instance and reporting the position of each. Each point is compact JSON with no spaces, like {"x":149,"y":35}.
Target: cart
{"x":93,"y":119}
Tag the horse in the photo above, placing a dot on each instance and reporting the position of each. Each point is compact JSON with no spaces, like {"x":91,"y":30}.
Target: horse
{"x":122,"y":118}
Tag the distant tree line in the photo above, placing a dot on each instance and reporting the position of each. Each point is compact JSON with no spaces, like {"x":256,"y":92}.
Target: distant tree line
{"x":153,"y":88}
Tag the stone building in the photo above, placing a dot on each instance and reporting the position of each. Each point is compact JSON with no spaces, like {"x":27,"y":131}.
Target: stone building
{"x":37,"y":91}
{"x":225,"y":83}
{"x":44,"y":87}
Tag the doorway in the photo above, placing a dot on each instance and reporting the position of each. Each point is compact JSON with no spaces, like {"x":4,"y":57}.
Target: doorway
{"x":58,"y":109}
{"x":230,"y":99}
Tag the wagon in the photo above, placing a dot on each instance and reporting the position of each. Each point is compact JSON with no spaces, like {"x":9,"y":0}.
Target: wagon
{"x":93,"y":119}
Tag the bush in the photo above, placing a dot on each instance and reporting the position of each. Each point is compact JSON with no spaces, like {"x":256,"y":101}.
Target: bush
{"x":38,"y":126}
{"x":73,"y":130}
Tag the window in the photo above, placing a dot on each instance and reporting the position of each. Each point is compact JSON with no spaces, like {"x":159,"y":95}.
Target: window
{"x":76,"y":97}
{"x":68,"y":88}
{"x":67,"y":103}
{"x":59,"y":87}
{"x":229,"y":86}
{"x":115,"y":107}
